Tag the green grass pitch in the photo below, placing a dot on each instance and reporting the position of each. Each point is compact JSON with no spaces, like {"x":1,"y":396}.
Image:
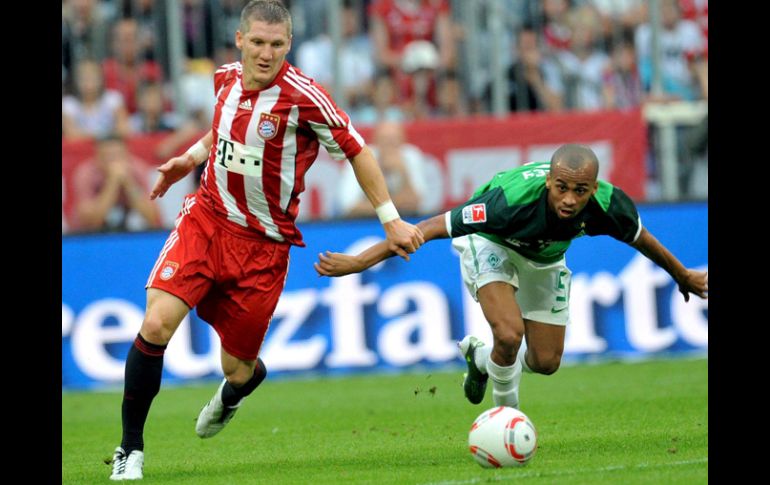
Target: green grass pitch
{"x":628,"y":423}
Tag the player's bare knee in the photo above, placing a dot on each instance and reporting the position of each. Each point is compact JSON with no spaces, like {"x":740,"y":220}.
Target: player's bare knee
{"x":155,"y":331}
{"x":509,"y":342}
{"x":507,"y":339}
{"x":545,"y":363}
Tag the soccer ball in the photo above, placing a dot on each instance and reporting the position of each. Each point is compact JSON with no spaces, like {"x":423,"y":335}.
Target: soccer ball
{"x":502,"y":437}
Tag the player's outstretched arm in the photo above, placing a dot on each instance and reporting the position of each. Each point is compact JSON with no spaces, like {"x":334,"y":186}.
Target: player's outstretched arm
{"x":178,"y":167}
{"x":689,"y":280}
{"x":403,"y":238}
{"x":339,"y":264}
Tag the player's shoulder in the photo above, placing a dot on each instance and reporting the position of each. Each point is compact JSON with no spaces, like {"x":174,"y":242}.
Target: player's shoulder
{"x":609,"y":187}
{"x":226,"y":74}
{"x":608,"y":195}
{"x":233,"y":66}
{"x":521,"y":185}
{"x":303,"y":84}
{"x":228,"y":71}
{"x":530,"y":172}
{"x":312,"y":96}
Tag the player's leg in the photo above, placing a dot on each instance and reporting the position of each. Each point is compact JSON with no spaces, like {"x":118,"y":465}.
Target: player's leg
{"x":491,"y":279}
{"x":544,"y":302}
{"x":545,"y":308}
{"x":502,"y":312}
{"x":179,"y":279}
{"x":241,"y":314}
{"x":542,"y":347}
{"x":540,"y":351}
{"x":144,"y":366}
{"x":242,"y":377}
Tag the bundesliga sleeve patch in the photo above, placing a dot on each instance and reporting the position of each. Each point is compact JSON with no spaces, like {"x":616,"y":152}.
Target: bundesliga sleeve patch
{"x":474,"y":213}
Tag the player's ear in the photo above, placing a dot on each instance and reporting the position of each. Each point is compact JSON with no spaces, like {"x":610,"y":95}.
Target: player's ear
{"x":596,"y":187}
{"x":238,"y":39}
{"x":548,"y":181}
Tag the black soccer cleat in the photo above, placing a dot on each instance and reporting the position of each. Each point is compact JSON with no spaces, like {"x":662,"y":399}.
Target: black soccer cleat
{"x":475,"y":381}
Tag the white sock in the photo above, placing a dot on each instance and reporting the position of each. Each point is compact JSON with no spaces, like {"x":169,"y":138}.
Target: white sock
{"x":521,"y":356}
{"x":481,"y":356}
{"x":505,"y":383}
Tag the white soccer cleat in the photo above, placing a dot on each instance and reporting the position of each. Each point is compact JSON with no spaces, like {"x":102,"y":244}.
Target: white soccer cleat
{"x":214,"y":415}
{"x":127,"y":467}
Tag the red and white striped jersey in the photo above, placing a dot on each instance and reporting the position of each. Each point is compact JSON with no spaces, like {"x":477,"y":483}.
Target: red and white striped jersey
{"x":264,"y":142}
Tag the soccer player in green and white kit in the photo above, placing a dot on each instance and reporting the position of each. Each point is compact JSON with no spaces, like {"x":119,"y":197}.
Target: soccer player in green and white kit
{"x":512,"y":235}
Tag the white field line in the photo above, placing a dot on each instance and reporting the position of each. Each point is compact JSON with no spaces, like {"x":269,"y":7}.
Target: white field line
{"x":579,"y":471}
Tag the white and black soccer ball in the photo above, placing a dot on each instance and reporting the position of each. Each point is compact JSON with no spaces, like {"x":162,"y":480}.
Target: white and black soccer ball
{"x":502,"y":437}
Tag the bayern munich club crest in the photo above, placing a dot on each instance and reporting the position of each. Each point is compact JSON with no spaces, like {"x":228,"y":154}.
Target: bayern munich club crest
{"x":268,"y":125}
{"x":168,"y":270}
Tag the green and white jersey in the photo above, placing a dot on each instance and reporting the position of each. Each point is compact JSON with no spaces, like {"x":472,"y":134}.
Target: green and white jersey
{"x":512,"y":210}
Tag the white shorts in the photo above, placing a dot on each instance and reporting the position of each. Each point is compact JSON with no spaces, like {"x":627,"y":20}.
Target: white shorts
{"x":543,"y":289}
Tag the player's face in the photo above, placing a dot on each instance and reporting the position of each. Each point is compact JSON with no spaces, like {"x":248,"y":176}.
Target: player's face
{"x":263,"y":49}
{"x":569,"y":190}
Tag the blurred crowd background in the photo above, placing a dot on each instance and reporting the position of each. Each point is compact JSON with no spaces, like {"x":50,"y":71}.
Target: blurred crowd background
{"x":143,"y":70}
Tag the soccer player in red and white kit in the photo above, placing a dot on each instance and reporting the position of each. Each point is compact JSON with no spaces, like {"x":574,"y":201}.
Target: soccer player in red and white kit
{"x":229,"y":253}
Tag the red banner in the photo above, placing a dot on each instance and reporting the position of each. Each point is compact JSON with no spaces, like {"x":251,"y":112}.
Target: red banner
{"x":618,"y":137}
{"x":464,"y":153}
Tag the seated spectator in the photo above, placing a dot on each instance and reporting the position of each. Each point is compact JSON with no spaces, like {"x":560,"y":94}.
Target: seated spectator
{"x":151,"y":115}
{"x":450,"y":97}
{"x":534,"y":81}
{"x":153,"y":118}
{"x":681,"y":42}
{"x":395,"y":24}
{"x":584,"y":63}
{"x":683,"y":78}
{"x":383,"y":106}
{"x":556,"y":29}
{"x":127,"y":69}
{"x":622,"y":84}
{"x":401,"y":164}
{"x":111,"y":191}
{"x":420,"y":62}
{"x":314,"y":58}
{"x":93,"y":112}
{"x":84,"y":31}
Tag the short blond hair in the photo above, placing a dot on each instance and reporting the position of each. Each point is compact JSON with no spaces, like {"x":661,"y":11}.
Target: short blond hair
{"x":270,"y":11}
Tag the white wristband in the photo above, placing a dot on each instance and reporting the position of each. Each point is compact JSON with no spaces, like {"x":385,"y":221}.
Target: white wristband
{"x":387,"y":212}
{"x":198,"y":152}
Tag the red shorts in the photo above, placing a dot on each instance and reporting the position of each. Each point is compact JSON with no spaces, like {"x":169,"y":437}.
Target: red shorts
{"x":234,"y":281}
